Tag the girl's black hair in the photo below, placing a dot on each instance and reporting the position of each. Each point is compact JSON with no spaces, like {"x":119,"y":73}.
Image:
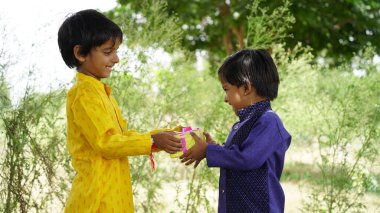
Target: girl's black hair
{"x":87,"y":28}
{"x":255,"y":67}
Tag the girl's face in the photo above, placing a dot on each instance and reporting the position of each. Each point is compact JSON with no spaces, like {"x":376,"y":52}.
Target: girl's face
{"x":100,"y":61}
{"x":235,"y":96}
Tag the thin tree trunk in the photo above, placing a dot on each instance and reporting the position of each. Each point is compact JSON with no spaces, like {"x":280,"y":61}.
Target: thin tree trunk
{"x":228,"y":42}
{"x":224,"y":10}
{"x":239,"y":32}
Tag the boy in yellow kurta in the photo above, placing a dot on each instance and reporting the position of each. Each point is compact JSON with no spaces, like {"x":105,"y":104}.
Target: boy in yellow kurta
{"x":97,"y":135}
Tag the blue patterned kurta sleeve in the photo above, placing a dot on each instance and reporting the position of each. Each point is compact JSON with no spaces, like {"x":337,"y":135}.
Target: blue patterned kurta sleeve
{"x":264,"y":139}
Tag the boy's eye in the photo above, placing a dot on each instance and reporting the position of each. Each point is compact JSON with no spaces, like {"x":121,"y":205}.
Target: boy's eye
{"x":107,"y":53}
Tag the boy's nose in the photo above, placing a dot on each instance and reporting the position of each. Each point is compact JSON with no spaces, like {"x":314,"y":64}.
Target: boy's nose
{"x":116,"y":59}
{"x":225,"y":99}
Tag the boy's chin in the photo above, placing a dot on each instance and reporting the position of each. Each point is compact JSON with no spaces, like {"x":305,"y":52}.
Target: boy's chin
{"x":106,"y":75}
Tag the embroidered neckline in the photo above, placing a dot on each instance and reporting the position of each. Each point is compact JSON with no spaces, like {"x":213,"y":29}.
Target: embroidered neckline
{"x":255,"y":109}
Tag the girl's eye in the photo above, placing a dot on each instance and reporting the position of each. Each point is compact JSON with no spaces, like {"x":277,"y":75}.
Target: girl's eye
{"x":107,"y":53}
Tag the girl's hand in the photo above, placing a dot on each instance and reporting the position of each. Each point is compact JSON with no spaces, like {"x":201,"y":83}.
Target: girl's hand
{"x":167,"y":141}
{"x":196,"y":153}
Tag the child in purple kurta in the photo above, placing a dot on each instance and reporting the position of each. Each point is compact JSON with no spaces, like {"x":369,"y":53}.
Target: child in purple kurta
{"x":252,"y":158}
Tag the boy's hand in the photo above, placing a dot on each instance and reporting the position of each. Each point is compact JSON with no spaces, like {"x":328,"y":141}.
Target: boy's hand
{"x":196,"y":153}
{"x":167,"y":141}
{"x":209,"y":139}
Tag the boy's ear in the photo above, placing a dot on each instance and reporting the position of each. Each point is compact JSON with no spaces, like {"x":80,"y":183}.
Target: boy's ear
{"x":248,"y":89}
{"x":77,"y":54}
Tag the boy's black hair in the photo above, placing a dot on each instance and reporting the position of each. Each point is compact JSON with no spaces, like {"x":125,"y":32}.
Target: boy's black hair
{"x":87,"y":28}
{"x":252,"y":66}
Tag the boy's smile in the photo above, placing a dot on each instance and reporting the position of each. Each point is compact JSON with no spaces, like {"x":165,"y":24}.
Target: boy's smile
{"x":240,"y":97}
{"x":234,"y":96}
{"x":100,"y":61}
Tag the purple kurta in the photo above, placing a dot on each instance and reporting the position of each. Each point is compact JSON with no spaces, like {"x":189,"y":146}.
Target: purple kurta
{"x":264,"y":148}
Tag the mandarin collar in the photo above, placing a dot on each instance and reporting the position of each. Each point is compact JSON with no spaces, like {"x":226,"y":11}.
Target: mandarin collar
{"x":253,"y":109}
{"x":95,"y":82}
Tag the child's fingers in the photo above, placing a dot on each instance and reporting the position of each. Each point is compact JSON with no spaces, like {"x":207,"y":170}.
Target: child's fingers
{"x":175,"y":139}
{"x":189,"y":162}
{"x":170,"y":151}
{"x":173,"y":148}
{"x":185,"y":160}
{"x":175,"y":145}
{"x":196,"y":137}
{"x":196,"y":163}
{"x":185,"y":155}
{"x":208,"y":137}
{"x":173,"y":133}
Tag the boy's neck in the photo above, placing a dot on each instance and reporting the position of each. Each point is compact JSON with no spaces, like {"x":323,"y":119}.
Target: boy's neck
{"x":254,"y":99}
{"x":87,"y":73}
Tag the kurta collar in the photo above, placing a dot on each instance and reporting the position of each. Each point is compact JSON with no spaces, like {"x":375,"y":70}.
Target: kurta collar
{"x":98,"y":84}
{"x":255,"y":109}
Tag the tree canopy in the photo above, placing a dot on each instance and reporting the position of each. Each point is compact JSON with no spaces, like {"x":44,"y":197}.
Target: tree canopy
{"x":335,"y":29}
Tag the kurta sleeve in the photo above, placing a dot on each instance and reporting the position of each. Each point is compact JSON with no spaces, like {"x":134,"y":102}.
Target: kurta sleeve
{"x":261,"y":143}
{"x":95,"y":122}
{"x":177,"y":129}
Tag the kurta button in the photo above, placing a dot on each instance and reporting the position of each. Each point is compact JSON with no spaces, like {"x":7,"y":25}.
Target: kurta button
{"x":222,"y":191}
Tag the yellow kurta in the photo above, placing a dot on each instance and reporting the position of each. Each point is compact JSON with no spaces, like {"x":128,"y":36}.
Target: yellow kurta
{"x":99,"y":143}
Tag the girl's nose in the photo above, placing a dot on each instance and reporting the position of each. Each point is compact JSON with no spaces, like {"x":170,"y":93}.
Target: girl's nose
{"x":225,"y":99}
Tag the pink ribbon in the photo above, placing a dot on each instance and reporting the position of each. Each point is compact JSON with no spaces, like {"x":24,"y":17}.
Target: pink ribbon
{"x":182,"y":136}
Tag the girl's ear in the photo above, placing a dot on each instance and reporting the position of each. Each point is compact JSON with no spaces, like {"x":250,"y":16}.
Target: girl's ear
{"x":248,"y":89}
{"x":77,"y":54}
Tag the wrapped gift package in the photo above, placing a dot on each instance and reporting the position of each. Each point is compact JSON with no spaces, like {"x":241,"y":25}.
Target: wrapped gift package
{"x":186,"y":139}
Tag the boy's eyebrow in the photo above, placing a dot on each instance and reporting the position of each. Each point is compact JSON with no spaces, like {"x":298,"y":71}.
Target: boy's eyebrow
{"x":109,"y":48}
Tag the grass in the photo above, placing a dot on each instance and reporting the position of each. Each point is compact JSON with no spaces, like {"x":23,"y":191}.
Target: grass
{"x":298,"y":171}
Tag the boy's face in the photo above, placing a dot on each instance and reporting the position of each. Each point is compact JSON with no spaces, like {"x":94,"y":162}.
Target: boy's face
{"x":235,"y":96}
{"x":100,"y":61}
